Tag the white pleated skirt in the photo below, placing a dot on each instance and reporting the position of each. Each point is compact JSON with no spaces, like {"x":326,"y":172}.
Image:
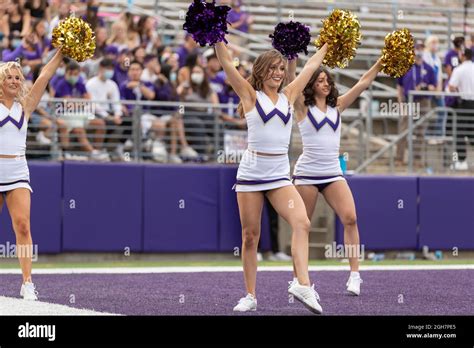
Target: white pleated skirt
{"x":262,"y":173}
{"x":312,"y":169}
{"x":14,"y":173}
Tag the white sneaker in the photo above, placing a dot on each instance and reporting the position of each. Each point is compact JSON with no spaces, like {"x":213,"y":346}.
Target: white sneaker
{"x":259,"y":257}
{"x":28,"y":291}
{"x":159,"y":152}
{"x":291,"y":283}
{"x":307,"y":295}
{"x":353,"y":285}
{"x":279,"y":256}
{"x":189,"y":152}
{"x":174,"y":159}
{"x":247,"y":303}
{"x":42,"y":139}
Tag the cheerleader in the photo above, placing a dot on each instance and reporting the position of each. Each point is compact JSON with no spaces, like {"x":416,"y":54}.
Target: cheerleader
{"x":264,"y":168}
{"x":318,"y":113}
{"x":16,"y":106}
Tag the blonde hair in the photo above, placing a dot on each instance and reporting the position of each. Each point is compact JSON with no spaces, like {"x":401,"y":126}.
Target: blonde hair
{"x":5,"y":69}
{"x":430,"y":39}
{"x":260,"y":71}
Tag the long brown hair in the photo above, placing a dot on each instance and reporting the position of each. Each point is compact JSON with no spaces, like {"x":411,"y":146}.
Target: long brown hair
{"x":309,"y":93}
{"x":260,"y":71}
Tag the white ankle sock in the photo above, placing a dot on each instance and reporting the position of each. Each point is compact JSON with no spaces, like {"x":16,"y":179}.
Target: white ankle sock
{"x":355,"y":274}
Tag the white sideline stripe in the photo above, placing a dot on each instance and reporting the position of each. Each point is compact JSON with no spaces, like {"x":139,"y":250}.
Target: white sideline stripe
{"x":134,"y":270}
{"x":17,"y":306}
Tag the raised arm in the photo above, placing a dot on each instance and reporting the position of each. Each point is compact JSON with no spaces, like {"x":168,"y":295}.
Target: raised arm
{"x":294,"y":89}
{"x":348,"y":98}
{"x":34,"y":96}
{"x":299,"y":102}
{"x":240,"y":85}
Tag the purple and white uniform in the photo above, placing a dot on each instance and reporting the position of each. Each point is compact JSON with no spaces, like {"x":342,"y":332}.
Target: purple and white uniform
{"x":269,"y":131}
{"x":14,"y":172}
{"x":321,"y":136}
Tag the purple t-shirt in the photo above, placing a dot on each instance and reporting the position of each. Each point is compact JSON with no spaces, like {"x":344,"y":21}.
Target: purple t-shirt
{"x":21,"y":52}
{"x":65,"y":89}
{"x":452,"y":59}
{"x":415,"y":76}
{"x":226,"y":96}
{"x":120,"y":75}
{"x":134,"y":94}
{"x":235,"y":16}
{"x":217,"y":83}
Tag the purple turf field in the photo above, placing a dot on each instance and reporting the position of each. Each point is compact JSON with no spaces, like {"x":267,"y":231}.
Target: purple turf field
{"x":425,"y":292}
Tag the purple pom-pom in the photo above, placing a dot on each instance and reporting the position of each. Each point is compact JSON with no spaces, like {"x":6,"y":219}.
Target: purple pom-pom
{"x":206,"y":22}
{"x":291,"y":38}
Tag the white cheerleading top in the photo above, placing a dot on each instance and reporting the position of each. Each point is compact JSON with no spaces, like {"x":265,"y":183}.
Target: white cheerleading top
{"x":13,"y":126}
{"x":321,"y":135}
{"x":269,"y":125}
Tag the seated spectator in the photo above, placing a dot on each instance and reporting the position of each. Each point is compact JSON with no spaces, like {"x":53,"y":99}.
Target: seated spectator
{"x":58,"y":76}
{"x":16,"y":21}
{"x":228,"y":96}
{"x":64,"y":11}
{"x":151,"y":125}
{"x":92,"y":16}
{"x":28,"y":51}
{"x":139,"y":54}
{"x":118,"y":35}
{"x":133,"y":37}
{"x":165,"y":91}
{"x":188,"y":47}
{"x":121,"y":67}
{"x":152,"y":68}
{"x":184,"y":73}
{"x":78,"y":120}
{"x":149,"y":38}
{"x":102,"y":87}
{"x":198,"y":90}
{"x":38,"y":10}
{"x":39,"y":30}
{"x":213,"y":67}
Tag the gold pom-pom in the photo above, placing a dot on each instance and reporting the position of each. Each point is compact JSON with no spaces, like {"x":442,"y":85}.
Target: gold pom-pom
{"x":341,"y":31}
{"x":398,"y":55}
{"x":76,"y":39}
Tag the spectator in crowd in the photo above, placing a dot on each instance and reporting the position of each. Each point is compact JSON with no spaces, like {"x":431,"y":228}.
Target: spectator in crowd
{"x":462,"y":81}
{"x":102,"y":87}
{"x":240,"y":20}
{"x":79,"y":119}
{"x":121,"y":67}
{"x":60,"y":72}
{"x":28,"y":52}
{"x":184,"y":73}
{"x":139,"y":54}
{"x":213,"y":67}
{"x":118,"y":35}
{"x":133,"y":36}
{"x":43,"y":118}
{"x":420,"y":77}
{"x":152,"y":68}
{"x":431,"y":57}
{"x":165,"y":91}
{"x":16,"y":22}
{"x":152,"y":127}
{"x":452,"y":58}
{"x":38,"y":10}
{"x":149,"y":38}
{"x":198,"y":90}
{"x":228,"y":96}
{"x":64,"y":11}
{"x":171,"y":60}
{"x":39,"y":30}
{"x":92,"y":15}
{"x":101,"y":42}
{"x":188,"y":47}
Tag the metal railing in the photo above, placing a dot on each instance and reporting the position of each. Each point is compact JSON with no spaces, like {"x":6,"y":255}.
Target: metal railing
{"x":418,"y":137}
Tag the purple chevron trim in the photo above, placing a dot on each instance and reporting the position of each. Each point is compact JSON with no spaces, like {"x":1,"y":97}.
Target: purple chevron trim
{"x":12,"y":120}
{"x":318,"y":126}
{"x":265,"y":117}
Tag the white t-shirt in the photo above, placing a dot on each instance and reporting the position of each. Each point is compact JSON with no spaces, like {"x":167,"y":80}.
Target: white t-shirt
{"x":463,"y":79}
{"x":104,"y":90}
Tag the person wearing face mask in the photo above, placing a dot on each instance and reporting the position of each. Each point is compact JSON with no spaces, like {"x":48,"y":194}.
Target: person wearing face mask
{"x":102,"y":87}
{"x":58,"y":76}
{"x":198,"y":90}
{"x":71,"y":86}
{"x":421,"y":77}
